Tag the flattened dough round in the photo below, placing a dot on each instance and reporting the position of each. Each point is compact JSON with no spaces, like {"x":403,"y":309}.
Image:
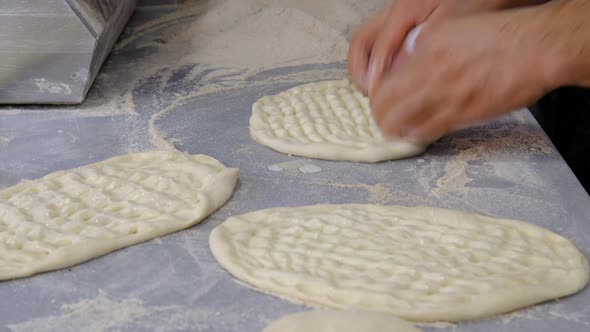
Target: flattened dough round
{"x":325,"y":120}
{"x":420,"y":263}
{"x":340,"y":321}
{"x":72,"y":216}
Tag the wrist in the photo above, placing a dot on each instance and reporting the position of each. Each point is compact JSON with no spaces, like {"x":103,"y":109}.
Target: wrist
{"x":566,"y":39}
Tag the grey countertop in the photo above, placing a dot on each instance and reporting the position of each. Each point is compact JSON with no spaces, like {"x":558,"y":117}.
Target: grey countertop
{"x":507,"y":168}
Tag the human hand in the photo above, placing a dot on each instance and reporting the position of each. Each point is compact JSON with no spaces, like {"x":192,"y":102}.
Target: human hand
{"x":465,"y":70}
{"x":375,"y":46}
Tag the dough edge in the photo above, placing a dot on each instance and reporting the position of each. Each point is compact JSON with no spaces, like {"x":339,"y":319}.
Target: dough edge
{"x":333,"y":320}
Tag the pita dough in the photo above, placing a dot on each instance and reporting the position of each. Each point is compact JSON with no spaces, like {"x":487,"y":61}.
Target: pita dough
{"x":69,"y":217}
{"x":420,"y":263}
{"x":326,"y":120}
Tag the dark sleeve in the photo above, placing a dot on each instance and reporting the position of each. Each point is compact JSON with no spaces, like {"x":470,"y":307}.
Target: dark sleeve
{"x":564,"y":115}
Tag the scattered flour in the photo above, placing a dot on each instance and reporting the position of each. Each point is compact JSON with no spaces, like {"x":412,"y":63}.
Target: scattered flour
{"x":293,"y":167}
{"x":275,"y":168}
{"x":510,"y":139}
{"x":106,"y":313}
{"x":50,"y":87}
{"x":309,"y":169}
{"x":98,"y":314}
{"x":262,"y":34}
{"x":269,"y":38}
{"x":159,"y":139}
{"x":380,"y":193}
{"x":4,"y":140}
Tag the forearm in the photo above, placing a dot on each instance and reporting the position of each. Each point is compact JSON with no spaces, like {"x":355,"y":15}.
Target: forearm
{"x":567,"y":34}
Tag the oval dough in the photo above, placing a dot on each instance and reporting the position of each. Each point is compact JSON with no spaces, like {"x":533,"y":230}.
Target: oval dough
{"x":71,"y":216}
{"x":326,"y":120}
{"x":340,"y":321}
{"x":420,"y":263}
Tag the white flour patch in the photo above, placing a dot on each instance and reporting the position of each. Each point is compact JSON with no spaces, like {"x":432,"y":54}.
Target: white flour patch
{"x":73,"y":138}
{"x":55,"y":88}
{"x":256,"y":35}
{"x":275,"y":168}
{"x":309,"y":169}
{"x":159,"y":139}
{"x":267,"y":38}
{"x":105,"y":312}
{"x":262,"y":34}
{"x":4,"y":140}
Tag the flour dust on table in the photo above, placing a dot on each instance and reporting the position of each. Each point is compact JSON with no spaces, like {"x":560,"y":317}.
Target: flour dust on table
{"x":419,"y":263}
{"x":326,"y":120}
{"x":69,"y":217}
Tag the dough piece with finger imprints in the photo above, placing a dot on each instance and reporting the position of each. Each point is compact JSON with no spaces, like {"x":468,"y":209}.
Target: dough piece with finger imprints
{"x":325,"y":120}
{"x":419,"y":263}
{"x":69,"y":217}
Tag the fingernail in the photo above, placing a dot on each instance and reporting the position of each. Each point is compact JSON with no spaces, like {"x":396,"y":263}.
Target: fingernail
{"x":410,"y":43}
